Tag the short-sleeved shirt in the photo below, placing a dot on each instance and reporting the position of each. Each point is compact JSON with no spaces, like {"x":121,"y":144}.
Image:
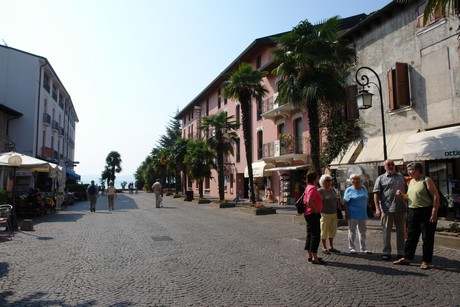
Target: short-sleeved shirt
{"x":311,"y":193}
{"x":386,"y":186}
{"x":329,"y":201}
{"x":357,"y":203}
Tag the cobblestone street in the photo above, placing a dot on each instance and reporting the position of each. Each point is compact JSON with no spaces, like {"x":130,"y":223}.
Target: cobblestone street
{"x":187,"y":254}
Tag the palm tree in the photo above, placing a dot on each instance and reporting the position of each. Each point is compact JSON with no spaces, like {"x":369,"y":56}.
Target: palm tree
{"x":221,"y":141}
{"x":244,"y":85}
{"x":313,"y":63}
{"x":113,"y":165}
{"x":199,"y":161}
{"x":179,"y":152}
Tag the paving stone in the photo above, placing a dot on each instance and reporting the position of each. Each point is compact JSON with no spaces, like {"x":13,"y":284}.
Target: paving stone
{"x":190,"y":255}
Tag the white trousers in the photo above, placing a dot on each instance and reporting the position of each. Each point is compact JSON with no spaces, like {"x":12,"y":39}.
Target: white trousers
{"x":360,"y":226}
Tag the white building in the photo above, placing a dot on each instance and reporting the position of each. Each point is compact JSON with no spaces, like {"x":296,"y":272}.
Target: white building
{"x":38,"y":117}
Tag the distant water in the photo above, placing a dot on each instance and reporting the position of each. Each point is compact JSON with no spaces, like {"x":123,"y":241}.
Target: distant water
{"x":86,"y":179}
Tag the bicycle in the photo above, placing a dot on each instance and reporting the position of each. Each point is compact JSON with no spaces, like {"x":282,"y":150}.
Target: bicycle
{"x":238,"y":200}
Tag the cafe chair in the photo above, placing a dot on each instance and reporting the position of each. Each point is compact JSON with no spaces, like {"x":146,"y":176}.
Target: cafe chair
{"x":5,"y":218}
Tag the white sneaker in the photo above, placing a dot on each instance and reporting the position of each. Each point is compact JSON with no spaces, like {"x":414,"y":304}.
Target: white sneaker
{"x":366,"y":252}
{"x":352,"y":251}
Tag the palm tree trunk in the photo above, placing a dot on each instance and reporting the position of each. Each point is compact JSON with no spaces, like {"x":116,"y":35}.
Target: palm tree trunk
{"x":247,"y":135}
{"x":220,"y":176}
{"x":200,"y":187}
{"x":313,"y":120}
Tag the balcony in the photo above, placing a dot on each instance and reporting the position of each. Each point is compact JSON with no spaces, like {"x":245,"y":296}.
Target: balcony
{"x":46,"y":85}
{"x":46,"y":119}
{"x":285,"y":149}
{"x":272,"y":109}
{"x":55,"y":125}
{"x":61,"y":131}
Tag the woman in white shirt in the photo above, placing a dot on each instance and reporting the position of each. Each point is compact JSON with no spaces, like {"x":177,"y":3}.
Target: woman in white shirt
{"x":111,"y":194}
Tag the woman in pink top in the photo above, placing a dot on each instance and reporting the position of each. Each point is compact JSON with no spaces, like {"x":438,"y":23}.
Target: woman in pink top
{"x":313,"y":204}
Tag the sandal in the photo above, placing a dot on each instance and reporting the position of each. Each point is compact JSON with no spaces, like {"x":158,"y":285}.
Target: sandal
{"x":333,"y":250}
{"x":318,"y":261}
{"x":325,"y":251}
{"x":425,"y":266}
{"x":402,"y":261}
{"x":319,"y":258}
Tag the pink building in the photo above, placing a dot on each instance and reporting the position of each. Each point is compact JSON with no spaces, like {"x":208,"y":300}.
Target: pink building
{"x":281,"y":153}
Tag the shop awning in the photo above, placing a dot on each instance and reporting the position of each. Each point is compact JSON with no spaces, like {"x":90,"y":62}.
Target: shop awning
{"x":372,"y":152}
{"x":287,"y":168}
{"x":259,"y":169}
{"x":432,"y":145}
{"x":349,"y":156}
{"x":72,"y":174}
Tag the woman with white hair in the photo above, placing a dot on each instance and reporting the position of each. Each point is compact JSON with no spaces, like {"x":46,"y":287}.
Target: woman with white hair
{"x":328,"y":213}
{"x":355,"y":202}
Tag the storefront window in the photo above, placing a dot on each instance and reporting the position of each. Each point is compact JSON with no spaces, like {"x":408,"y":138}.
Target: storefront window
{"x":442,"y":174}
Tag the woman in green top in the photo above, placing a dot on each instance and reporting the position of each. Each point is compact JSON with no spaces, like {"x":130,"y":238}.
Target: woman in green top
{"x":422,"y":216}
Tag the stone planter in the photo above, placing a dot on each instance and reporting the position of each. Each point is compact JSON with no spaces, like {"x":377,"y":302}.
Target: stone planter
{"x":227,"y":205}
{"x":177,"y":196}
{"x":204,"y":201}
{"x":264,"y":211}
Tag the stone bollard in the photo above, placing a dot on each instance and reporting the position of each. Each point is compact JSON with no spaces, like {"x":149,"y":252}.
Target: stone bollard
{"x":27,"y":225}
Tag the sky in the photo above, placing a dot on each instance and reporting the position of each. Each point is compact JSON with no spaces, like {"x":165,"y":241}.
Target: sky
{"x":130,"y":65}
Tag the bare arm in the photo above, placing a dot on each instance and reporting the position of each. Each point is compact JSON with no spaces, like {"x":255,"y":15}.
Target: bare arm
{"x":433,"y":191}
{"x":377,"y":204}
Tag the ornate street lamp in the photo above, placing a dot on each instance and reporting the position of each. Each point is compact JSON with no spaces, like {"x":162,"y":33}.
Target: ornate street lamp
{"x":15,"y":161}
{"x":364,"y":100}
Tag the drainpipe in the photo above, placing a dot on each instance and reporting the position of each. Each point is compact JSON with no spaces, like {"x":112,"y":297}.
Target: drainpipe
{"x":38,"y":106}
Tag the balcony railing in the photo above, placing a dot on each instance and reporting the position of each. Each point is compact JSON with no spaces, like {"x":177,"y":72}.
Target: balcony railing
{"x":55,"y":125}
{"x":281,"y":148}
{"x":46,"y":118}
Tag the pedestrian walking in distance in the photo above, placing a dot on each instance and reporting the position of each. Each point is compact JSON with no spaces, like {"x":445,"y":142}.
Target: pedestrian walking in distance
{"x":111,"y":195}
{"x":92,"y":196}
{"x":390,"y":208}
{"x":156,"y":187}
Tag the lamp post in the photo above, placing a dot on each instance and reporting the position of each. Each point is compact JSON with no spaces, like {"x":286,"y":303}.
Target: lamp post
{"x":364,"y":100}
{"x":15,"y":161}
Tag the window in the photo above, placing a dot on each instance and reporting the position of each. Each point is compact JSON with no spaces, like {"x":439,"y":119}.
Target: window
{"x":237,"y":113}
{"x":259,"y":61}
{"x":259,"y":110}
{"x":281,"y":129}
{"x":298,"y":135}
{"x":351,"y":108}
{"x":46,"y":83}
{"x":238,"y":151}
{"x":398,"y":86}
{"x":431,"y":19}
{"x":260,"y":143}
{"x":207,"y":107}
{"x":218,"y":99}
{"x":207,"y":183}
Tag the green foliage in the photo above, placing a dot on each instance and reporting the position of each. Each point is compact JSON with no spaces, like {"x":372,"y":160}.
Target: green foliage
{"x":113,"y":166}
{"x":340,"y":133}
{"x":244,"y":85}
{"x":313,"y":63}
{"x":222,"y":136}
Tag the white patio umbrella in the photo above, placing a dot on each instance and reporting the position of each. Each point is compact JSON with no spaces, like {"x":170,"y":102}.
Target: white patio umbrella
{"x":28,"y":162}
